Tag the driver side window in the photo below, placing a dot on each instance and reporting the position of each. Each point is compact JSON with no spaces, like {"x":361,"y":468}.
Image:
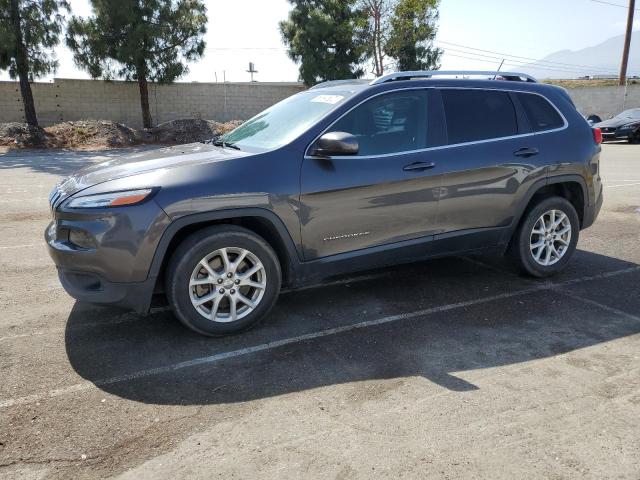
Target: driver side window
{"x":389,"y":123}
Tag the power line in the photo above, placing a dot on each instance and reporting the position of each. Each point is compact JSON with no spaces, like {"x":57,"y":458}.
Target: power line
{"x":517,"y":65}
{"x":612,"y":4}
{"x":502,"y":54}
{"x":578,"y":69}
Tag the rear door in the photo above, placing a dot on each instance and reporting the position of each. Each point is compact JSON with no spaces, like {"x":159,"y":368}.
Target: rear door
{"x":490,"y":154}
{"x":384,"y":194}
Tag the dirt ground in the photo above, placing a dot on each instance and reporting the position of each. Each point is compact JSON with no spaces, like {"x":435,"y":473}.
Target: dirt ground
{"x":455,"y":368}
{"x":94,"y":135}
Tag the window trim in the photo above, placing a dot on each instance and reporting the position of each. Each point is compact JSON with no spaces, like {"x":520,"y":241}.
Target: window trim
{"x":529,"y":120}
{"x":307,"y":156}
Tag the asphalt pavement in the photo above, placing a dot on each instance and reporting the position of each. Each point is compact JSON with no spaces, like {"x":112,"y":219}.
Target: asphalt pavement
{"x":452,"y":368}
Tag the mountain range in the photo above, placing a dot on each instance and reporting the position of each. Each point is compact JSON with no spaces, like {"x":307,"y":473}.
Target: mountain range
{"x":601,"y":59}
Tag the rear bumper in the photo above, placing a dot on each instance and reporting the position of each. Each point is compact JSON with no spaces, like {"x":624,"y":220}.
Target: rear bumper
{"x":591,"y":211}
{"x":91,"y":288}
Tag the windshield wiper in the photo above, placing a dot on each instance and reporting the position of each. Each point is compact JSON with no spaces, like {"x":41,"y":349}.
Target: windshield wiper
{"x":223,"y":144}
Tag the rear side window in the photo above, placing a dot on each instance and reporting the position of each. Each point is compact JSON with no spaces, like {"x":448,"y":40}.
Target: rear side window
{"x":541,"y":114}
{"x":474,"y":115}
{"x":390,"y":123}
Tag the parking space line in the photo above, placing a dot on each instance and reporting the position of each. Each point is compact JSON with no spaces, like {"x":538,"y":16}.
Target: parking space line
{"x":20,"y":246}
{"x":602,"y":306}
{"x":210,"y":359}
{"x":127,"y":317}
{"x":622,"y":185}
{"x":130,"y":317}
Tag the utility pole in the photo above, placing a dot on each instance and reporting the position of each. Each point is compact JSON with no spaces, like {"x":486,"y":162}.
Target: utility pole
{"x":627,"y":43}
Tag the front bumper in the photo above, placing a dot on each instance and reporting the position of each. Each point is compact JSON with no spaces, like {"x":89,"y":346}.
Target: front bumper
{"x":618,"y":134}
{"x":91,"y":288}
{"x":613,"y":136}
{"x":114,"y":267}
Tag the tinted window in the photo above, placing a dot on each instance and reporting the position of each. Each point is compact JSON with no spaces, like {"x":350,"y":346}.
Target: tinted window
{"x":478,"y":115}
{"x":394,"y":122}
{"x":541,"y":114}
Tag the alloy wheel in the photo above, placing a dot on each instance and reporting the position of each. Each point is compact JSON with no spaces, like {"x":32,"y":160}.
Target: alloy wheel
{"x":550,"y":237}
{"x":227,"y":284}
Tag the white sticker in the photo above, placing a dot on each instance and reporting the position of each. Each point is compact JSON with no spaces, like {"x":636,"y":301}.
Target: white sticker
{"x":332,"y":99}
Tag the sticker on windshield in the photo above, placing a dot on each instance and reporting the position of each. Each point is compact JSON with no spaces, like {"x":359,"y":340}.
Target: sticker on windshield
{"x":332,"y":99}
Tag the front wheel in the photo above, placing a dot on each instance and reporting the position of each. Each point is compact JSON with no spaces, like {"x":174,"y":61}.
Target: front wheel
{"x":547,"y":237}
{"x":222,"y":280}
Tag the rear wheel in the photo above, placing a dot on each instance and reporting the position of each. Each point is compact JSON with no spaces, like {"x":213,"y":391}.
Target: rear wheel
{"x":547,"y":237}
{"x":222,"y":280}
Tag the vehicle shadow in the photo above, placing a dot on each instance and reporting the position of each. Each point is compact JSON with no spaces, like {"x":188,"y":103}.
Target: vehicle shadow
{"x":448,"y":316}
{"x":63,"y":162}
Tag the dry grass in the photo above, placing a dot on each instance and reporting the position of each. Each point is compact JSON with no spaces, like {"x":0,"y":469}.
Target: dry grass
{"x":588,"y":83}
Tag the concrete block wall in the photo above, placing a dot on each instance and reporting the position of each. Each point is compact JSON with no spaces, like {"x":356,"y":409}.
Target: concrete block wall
{"x":65,"y":99}
{"x":605,"y":101}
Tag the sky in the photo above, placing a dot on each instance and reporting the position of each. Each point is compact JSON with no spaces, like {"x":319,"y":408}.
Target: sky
{"x":243,"y":31}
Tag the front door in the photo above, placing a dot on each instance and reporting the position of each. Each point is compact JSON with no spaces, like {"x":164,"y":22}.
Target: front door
{"x":384,"y":194}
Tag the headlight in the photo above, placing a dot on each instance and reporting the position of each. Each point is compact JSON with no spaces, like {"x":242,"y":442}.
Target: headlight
{"x":111,"y":199}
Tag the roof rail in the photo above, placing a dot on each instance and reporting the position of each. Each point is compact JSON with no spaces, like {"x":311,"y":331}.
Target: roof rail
{"x":390,"y":77}
{"x":332,"y":83}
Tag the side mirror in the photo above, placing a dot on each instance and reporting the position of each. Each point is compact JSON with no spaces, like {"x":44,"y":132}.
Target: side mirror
{"x":336,"y":143}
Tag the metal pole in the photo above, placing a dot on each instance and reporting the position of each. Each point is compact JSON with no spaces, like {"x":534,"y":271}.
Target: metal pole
{"x":627,"y":42}
{"x":224,"y":82}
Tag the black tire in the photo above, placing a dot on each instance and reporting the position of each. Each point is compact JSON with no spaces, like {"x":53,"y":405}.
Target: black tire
{"x":521,"y":242}
{"x":634,"y":138}
{"x":195,"y":248}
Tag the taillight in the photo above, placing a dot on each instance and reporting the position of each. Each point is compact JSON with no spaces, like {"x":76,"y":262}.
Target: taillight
{"x":597,"y":135}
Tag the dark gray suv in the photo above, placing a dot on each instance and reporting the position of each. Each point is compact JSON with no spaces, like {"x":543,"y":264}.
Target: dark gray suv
{"x":346,"y":176}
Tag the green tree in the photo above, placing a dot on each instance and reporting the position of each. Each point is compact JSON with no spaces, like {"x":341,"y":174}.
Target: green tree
{"x":413,"y":29}
{"x":324,"y":37}
{"x":143,"y":40}
{"x":28,"y":31}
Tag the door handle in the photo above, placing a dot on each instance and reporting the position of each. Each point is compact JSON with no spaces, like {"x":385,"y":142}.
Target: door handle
{"x":526,"y":152}
{"x":418,"y":166}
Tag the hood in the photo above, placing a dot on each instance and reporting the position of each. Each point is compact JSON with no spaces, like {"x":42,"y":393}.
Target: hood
{"x":616,"y":122}
{"x":145,"y":162}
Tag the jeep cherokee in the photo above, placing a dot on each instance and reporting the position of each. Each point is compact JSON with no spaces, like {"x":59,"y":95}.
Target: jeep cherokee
{"x":345,"y":176}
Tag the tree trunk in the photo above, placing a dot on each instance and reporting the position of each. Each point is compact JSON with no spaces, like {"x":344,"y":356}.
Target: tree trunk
{"x":144,"y":100}
{"x":22,"y":65}
{"x":379,"y":44}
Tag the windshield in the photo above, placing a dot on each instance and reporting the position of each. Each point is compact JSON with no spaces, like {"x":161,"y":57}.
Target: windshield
{"x":284,"y":121}
{"x":632,"y":113}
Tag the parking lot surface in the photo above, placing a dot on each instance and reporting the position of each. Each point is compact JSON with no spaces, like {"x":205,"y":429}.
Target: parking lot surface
{"x":452,"y":368}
